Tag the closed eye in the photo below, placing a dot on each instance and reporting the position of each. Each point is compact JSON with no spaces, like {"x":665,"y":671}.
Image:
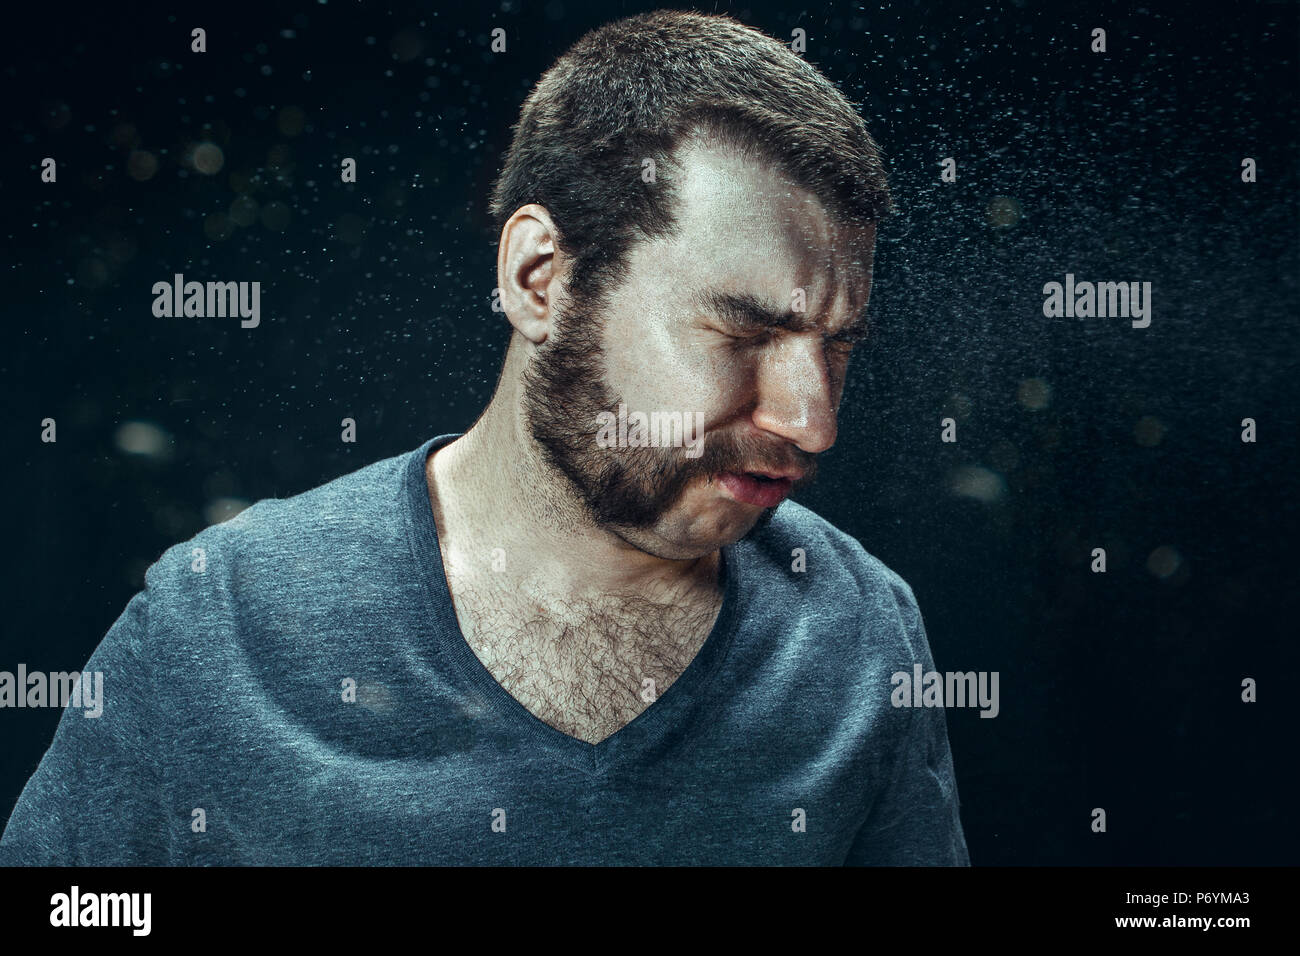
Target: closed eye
{"x":758,"y":335}
{"x":847,"y":339}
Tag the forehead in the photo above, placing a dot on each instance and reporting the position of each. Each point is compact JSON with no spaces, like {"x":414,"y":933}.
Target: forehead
{"x":743,"y":223}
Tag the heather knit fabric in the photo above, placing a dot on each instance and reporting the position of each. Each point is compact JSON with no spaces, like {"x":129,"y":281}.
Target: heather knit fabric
{"x":229,"y":734}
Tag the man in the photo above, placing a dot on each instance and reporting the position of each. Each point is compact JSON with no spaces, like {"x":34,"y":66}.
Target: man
{"x":590,"y":630}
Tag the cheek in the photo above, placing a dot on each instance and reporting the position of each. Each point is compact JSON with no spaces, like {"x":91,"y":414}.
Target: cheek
{"x":838,"y":369}
{"x":684,"y":373}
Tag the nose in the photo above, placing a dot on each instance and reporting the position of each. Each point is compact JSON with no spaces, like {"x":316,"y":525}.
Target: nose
{"x":797,"y":395}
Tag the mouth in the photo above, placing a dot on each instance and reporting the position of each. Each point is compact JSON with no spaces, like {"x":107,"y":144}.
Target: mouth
{"x":757,"y":488}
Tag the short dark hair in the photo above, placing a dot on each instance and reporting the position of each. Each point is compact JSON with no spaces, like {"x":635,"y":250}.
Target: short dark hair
{"x":635,"y":89}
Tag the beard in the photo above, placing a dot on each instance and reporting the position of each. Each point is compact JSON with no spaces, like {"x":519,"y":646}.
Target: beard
{"x":565,"y":389}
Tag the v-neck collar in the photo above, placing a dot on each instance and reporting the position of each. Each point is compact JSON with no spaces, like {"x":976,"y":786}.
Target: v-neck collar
{"x":683,"y":700}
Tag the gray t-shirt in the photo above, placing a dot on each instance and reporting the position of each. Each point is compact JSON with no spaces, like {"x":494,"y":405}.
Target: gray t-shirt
{"x":230,"y":735}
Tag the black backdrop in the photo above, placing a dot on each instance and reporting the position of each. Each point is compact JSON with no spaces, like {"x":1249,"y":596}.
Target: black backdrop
{"x":1118,"y":690}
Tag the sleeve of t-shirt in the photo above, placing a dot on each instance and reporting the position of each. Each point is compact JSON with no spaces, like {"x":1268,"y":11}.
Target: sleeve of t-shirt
{"x":95,"y":798}
{"x":916,"y":819}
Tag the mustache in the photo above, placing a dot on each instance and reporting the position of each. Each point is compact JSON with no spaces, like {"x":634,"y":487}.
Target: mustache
{"x":725,"y":452}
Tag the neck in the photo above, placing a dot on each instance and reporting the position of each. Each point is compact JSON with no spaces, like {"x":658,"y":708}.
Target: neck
{"x":491,"y":488}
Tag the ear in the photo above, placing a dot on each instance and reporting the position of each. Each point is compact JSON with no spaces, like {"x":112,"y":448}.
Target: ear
{"x":530,"y":271}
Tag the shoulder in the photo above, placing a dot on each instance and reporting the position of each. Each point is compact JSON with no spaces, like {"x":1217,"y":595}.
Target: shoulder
{"x":360,"y":503}
{"x":284,"y":561}
{"x":833,"y":557}
{"x":842,"y":586}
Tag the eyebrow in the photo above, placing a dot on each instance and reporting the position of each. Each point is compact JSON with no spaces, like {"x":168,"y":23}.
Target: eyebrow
{"x":746,"y":313}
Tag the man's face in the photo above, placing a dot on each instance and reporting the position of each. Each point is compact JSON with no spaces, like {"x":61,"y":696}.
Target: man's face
{"x":684,"y":335}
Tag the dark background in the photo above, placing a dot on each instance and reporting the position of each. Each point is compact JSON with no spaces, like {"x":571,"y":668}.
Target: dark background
{"x":1119,"y":690}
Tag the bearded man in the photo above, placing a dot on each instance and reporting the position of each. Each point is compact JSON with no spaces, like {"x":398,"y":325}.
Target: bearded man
{"x":555,"y":640}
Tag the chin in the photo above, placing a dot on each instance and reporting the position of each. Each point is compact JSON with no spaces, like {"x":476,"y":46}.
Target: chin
{"x":724,"y":527}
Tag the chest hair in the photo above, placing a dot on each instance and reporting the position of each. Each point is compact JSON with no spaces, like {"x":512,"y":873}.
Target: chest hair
{"x":584,"y":667}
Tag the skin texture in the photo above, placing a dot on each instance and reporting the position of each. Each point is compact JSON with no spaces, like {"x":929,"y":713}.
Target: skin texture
{"x":611,"y":564}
